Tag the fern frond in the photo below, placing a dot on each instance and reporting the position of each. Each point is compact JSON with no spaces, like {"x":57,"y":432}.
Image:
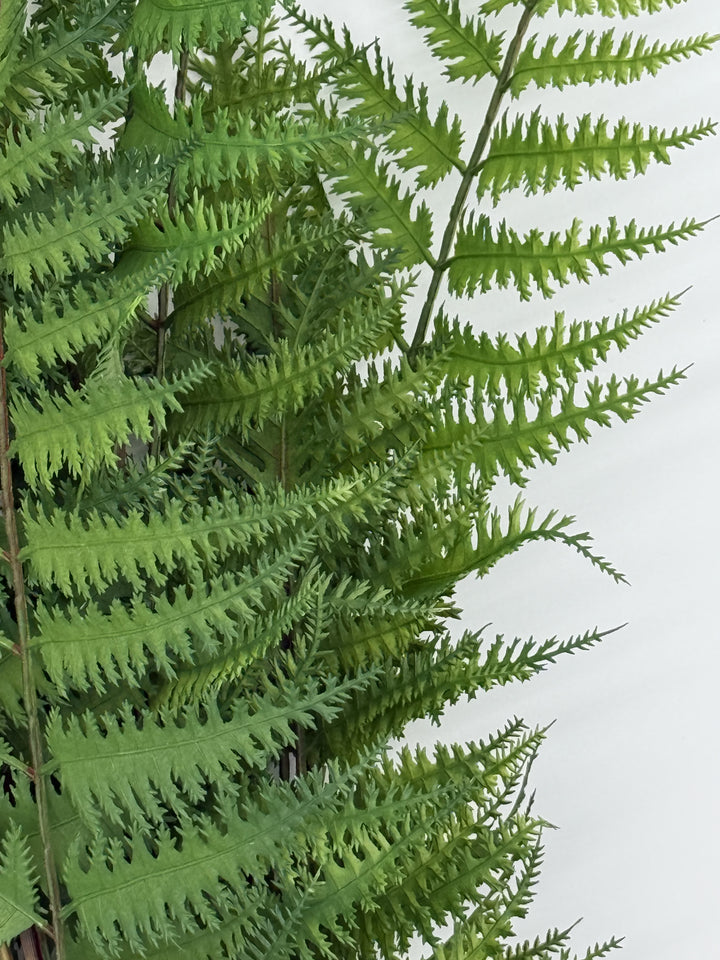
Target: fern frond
{"x":367,"y":186}
{"x":482,"y":259}
{"x":34,"y":155}
{"x":590,"y":58}
{"x":537,"y":154}
{"x":200,"y":620}
{"x":12,"y":28}
{"x":606,"y":8}
{"x":92,"y":550}
{"x":429,"y":148}
{"x":61,"y":323}
{"x":134,"y":768}
{"x":153,"y":894}
{"x":480,"y":544}
{"x":556,"y":354}
{"x":520,"y":660}
{"x":284,"y":380}
{"x":513,"y":444}
{"x":225,"y":147}
{"x":18,"y":900}
{"x":83,"y":429}
{"x":171,"y":25}
{"x":79,"y":229}
{"x":199,"y":240}
{"x":464,"y":46}
{"x":224,"y":290}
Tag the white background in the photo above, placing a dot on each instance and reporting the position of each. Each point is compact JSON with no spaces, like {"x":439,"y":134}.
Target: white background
{"x":629,"y":771}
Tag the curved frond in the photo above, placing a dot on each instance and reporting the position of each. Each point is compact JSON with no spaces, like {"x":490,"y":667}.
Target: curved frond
{"x":83,"y":430}
{"x":590,"y":58}
{"x":538,"y":154}
{"x":464,"y":45}
{"x":483,"y":259}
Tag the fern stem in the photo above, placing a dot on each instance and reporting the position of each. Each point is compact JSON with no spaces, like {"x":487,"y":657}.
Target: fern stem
{"x":29,"y":692}
{"x":458,"y":206}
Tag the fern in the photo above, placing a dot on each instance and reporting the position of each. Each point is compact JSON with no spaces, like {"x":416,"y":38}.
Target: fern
{"x":241,"y":482}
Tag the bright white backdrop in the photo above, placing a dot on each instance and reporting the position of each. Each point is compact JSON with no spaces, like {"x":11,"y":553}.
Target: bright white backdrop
{"x":629,"y":772}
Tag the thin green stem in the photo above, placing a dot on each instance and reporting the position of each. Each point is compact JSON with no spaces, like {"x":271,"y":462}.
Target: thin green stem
{"x":30,"y":701}
{"x":459,"y":203}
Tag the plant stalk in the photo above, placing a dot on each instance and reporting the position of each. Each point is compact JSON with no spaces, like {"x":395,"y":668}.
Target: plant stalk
{"x":458,"y":206}
{"x":29,"y":692}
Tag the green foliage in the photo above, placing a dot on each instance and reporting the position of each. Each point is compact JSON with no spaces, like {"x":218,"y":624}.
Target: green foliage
{"x":241,"y":482}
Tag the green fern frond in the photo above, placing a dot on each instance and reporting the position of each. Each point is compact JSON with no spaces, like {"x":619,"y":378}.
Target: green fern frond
{"x":225,"y":148}
{"x":177,"y":24}
{"x":199,"y":240}
{"x":280,"y":383}
{"x":153,"y":892}
{"x":40,"y":146}
{"x":589,"y":58}
{"x":367,"y":186}
{"x":522,"y":659}
{"x":83,"y":429}
{"x":482,"y":260}
{"x":130,"y":767}
{"x":537,"y":154}
{"x":62,"y":323}
{"x":464,"y":46}
{"x":606,"y":8}
{"x":12,"y":27}
{"x":429,"y":148}
{"x":556,"y":354}
{"x":492,"y":921}
{"x":79,"y":230}
{"x":18,"y":900}
{"x":480,"y":543}
{"x":512,"y":444}
{"x":217,"y":618}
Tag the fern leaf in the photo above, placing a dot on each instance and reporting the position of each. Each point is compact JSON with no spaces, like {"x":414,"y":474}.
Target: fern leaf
{"x":513,"y":444}
{"x":61,"y":324}
{"x":588,"y":58}
{"x":154,"y":894}
{"x":38,"y":148}
{"x":224,"y":148}
{"x":482,"y":543}
{"x":179,"y":24}
{"x":79,"y":229}
{"x":18,"y":909}
{"x":537,"y":154}
{"x":520,"y":660}
{"x":366,"y":184}
{"x":556,"y":354}
{"x":92,"y":550}
{"x":12,"y":27}
{"x":224,"y":290}
{"x":431,"y":149}
{"x":132,"y":768}
{"x":481,"y":259}
{"x":465,"y":47}
{"x":199,"y":241}
{"x":282,"y":382}
{"x":83,"y":429}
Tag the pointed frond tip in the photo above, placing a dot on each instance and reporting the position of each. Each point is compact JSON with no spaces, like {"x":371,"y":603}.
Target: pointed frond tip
{"x":556,"y":355}
{"x":589,"y":58}
{"x":538,"y":154}
{"x":484,"y":258}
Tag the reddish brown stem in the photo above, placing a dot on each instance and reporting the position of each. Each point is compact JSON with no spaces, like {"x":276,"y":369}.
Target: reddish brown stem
{"x":29,"y":692}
